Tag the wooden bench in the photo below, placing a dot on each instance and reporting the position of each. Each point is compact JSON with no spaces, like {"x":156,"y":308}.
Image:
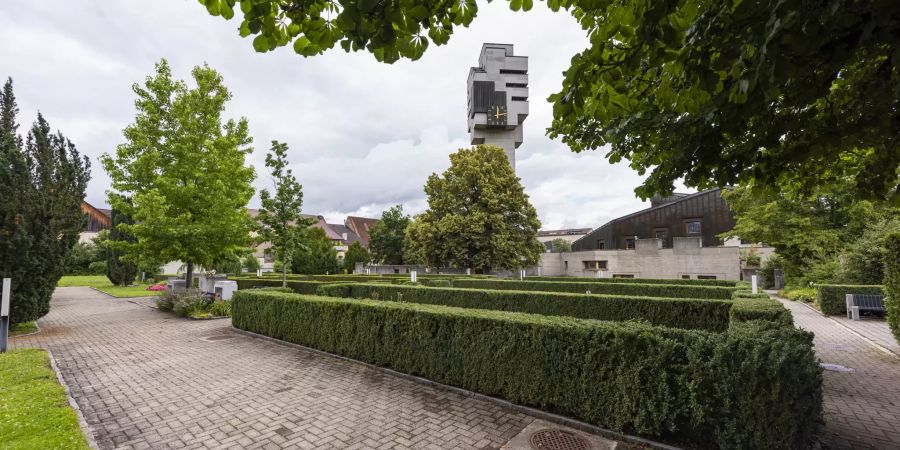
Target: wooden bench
{"x":863,"y":302}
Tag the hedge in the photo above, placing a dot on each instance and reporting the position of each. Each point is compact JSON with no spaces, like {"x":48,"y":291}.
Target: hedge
{"x":300,"y":287}
{"x":754,"y":386}
{"x":728,"y":283}
{"x":832,"y":298}
{"x":641,"y":290}
{"x":712,"y":315}
{"x":892,"y":283}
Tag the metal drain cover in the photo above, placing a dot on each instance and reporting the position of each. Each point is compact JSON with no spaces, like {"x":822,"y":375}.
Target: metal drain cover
{"x":556,"y":439}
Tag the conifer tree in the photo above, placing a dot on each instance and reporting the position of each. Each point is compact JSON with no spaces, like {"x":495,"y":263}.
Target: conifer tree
{"x":120,"y":272}
{"x":42,"y":184}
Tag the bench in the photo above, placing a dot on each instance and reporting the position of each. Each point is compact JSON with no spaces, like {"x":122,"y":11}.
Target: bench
{"x":863,"y":302}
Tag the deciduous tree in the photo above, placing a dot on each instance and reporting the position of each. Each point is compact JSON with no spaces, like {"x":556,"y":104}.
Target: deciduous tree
{"x":185,"y":172}
{"x":280,"y":221}
{"x":788,"y":93}
{"x":355,"y":254}
{"x":478,"y":215}
{"x":386,"y":237}
{"x":42,"y":185}
{"x":315,"y":254}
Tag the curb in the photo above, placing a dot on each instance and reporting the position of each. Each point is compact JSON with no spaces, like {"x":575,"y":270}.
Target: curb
{"x":878,"y":346}
{"x":36,"y":331}
{"x":85,"y":428}
{"x":544,"y":415}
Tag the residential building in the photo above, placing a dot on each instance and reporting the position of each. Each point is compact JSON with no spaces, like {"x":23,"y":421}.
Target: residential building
{"x":99,"y":219}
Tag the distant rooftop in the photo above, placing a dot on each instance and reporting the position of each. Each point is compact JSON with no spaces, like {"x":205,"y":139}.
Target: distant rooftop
{"x":566,"y":232}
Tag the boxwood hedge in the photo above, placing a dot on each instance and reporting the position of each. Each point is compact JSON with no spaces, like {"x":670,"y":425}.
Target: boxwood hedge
{"x":832,"y":298}
{"x":298,"y":286}
{"x":710,"y":315}
{"x":643,"y":290}
{"x":729,"y":283}
{"x":757,"y":385}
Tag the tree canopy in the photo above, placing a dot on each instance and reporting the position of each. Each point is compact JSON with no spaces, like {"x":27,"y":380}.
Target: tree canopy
{"x":42,"y":184}
{"x":355,"y":254}
{"x":784,"y":92}
{"x":478,"y":216}
{"x":184,"y":171}
{"x":280,"y":220}
{"x":315,"y":255}
{"x":387,"y":236}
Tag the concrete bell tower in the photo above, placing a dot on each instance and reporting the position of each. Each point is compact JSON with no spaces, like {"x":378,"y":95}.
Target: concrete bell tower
{"x":498,"y":98}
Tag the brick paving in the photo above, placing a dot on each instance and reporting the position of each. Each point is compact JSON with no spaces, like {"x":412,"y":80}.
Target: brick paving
{"x":862,"y":408}
{"x":147,"y":379}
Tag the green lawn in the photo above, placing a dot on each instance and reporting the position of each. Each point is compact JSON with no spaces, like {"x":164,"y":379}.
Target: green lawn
{"x":33,"y":407}
{"x":23,"y":328}
{"x":102,"y":283}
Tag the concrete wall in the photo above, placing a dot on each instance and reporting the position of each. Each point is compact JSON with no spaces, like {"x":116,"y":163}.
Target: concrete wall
{"x":647,"y":260}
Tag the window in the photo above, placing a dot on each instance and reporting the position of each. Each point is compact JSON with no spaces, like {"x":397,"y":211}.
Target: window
{"x":594,"y":265}
{"x":517,"y":85}
{"x":601,"y":245}
{"x":520,"y":72}
{"x":685,"y":277}
{"x":692,"y":227}
{"x":268,"y":255}
{"x":663,"y":235}
{"x":519,"y":99}
{"x":623,"y":275}
{"x":706,"y":277}
{"x":629,"y":243}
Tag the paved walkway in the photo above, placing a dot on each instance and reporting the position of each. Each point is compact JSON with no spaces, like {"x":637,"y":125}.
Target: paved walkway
{"x":862,"y":408}
{"x":146,"y":379}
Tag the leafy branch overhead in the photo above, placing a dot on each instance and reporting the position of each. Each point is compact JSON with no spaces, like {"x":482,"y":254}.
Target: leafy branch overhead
{"x":784,"y":93}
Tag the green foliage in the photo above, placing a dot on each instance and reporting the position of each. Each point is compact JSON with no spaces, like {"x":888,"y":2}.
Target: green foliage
{"x":560,"y":245}
{"x":478,"y":216}
{"x":386,"y":238}
{"x":810,"y":232}
{"x":80,"y":258}
{"x":718,"y":389}
{"x":863,"y":260}
{"x":315,"y":254}
{"x":298,"y":286}
{"x":711,"y":315}
{"x":250,"y":263}
{"x":34,"y":407}
{"x":184,"y":172}
{"x":643,"y":290}
{"x":119,"y":271}
{"x":690,"y":282}
{"x":280,"y":220}
{"x":892,"y":283}
{"x":355,"y":254}
{"x":42,"y":184}
{"x":767,"y":271}
{"x":800,"y":294}
{"x":832,"y":298}
{"x":714,"y":93}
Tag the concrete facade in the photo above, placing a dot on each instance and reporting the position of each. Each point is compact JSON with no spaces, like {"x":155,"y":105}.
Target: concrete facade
{"x":686,"y":259}
{"x":498,"y":98}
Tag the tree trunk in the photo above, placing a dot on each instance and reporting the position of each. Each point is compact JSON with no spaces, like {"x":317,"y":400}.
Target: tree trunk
{"x":284,"y":274}
{"x":189,"y":275}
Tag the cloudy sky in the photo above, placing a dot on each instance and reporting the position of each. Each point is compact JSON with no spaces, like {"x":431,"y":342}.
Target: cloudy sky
{"x":363,"y":135}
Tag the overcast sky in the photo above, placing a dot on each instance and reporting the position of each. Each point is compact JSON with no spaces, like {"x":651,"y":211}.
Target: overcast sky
{"x":363,"y":135}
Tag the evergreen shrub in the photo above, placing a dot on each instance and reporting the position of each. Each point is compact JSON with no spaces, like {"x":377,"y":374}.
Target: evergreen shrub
{"x":892,"y":283}
{"x":643,"y":290}
{"x":756,"y":385}
{"x":832,"y":298}
{"x":692,"y":282}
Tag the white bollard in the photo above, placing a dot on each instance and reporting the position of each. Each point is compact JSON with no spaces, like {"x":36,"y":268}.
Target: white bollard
{"x":412,"y":276}
{"x":4,"y":314}
{"x":753,"y":281}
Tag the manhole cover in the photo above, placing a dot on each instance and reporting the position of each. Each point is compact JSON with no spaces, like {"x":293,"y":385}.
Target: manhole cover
{"x":558,"y":440}
{"x":220,"y":337}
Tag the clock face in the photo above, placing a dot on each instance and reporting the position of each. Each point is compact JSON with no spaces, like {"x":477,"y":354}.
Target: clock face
{"x":496,"y":116}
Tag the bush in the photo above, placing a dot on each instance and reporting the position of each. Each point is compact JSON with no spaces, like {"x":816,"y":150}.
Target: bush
{"x":755,"y":386}
{"x":800,"y":294}
{"x":892,"y":283}
{"x":767,"y":272}
{"x":438,"y":283}
{"x":193,"y":304}
{"x":642,"y":290}
{"x":729,"y":283}
{"x":681,"y":313}
{"x":298,"y":286}
{"x":832,"y":298}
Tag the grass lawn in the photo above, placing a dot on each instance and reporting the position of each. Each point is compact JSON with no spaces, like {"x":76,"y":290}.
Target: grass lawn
{"x":102,"y":283}
{"x":23,"y":328}
{"x":33,"y":409}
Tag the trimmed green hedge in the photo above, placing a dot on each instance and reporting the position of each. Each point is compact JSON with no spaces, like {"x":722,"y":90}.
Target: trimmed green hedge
{"x":832,"y":298}
{"x":754,"y":386}
{"x":300,"y":287}
{"x":892,"y":283}
{"x":712,"y":315}
{"x":641,"y":290}
{"x":728,"y":283}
